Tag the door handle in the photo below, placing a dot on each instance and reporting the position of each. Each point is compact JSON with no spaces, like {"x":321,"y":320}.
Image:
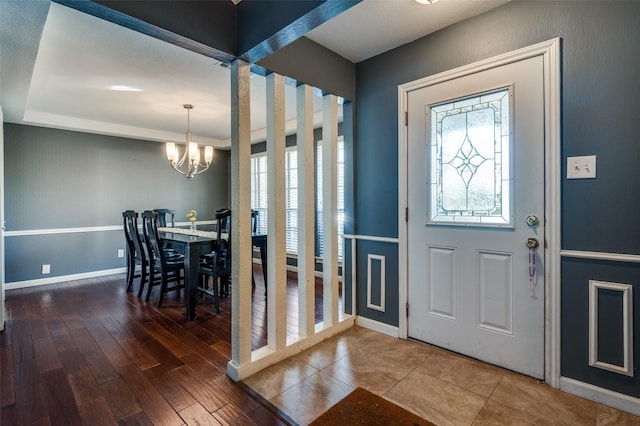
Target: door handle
{"x":533,"y":243}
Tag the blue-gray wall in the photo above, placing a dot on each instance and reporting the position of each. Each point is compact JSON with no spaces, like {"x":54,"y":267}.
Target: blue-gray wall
{"x":600,"y":110}
{"x":57,"y":179}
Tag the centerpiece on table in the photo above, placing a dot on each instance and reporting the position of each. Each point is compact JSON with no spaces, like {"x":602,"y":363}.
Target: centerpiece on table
{"x":192,"y":216}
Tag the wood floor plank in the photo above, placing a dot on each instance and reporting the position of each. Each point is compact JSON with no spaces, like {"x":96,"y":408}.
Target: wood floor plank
{"x":233,"y":393}
{"x":133,"y":328}
{"x":72,"y":361}
{"x":26,"y":374}
{"x":115,"y":328}
{"x":168,"y":339}
{"x":138,"y":353}
{"x":83,"y":340}
{"x":84,"y":387}
{"x":63,"y":340}
{"x":73,"y":321}
{"x":92,"y":405}
{"x":263,"y":417}
{"x":230,"y":414}
{"x":7,"y":390}
{"x":46,"y":354}
{"x":57,"y":326}
{"x":223,"y":348}
{"x":168,"y":360}
{"x":6,"y":357}
{"x":147,"y":396}
{"x":205,"y":351}
{"x":100,"y":367}
{"x":202,"y":367}
{"x":96,"y":413}
{"x":39,"y":328}
{"x":30,"y":404}
{"x":61,"y":403}
{"x":23,"y":348}
{"x":204,"y":393}
{"x":114,"y":352}
{"x":137,"y":419}
{"x":196,"y":414}
{"x":8,"y":415}
{"x":170,"y":388}
{"x":120,"y":399}
{"x":97,"y":330}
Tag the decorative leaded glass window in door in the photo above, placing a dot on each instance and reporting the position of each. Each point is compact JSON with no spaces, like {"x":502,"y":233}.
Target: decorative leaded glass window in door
{"x":469,"y":161}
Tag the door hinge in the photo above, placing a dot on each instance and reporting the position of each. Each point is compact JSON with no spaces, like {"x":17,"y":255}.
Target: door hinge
{"x":406,"y":214}
{"x":407,"y":309}
{"x":406,"y":118}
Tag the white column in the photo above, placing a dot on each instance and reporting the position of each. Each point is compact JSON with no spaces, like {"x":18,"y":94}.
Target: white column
{"x":306,"y":212}
{"x":330,"y":209}
{"x":241,"y":247}
{"x":2,"y":275}
{"x":276,"y":213}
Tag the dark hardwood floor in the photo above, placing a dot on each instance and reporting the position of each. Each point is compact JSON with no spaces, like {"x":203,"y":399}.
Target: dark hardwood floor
{"x":87,"y":352}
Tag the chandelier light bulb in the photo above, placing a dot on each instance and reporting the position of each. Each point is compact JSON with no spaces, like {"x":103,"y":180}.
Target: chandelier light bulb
{"x":192,"y":151}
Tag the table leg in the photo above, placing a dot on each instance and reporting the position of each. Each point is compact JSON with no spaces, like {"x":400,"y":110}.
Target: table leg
{"x":191,"y":270}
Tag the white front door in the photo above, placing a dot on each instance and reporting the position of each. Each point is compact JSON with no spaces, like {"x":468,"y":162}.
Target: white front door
{"x":475,"y":173}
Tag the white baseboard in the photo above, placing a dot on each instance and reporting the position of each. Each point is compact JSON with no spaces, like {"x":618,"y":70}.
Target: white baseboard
{"x":380,"y":327}
{"x":62,"y":278}
{"x":613,"y":399}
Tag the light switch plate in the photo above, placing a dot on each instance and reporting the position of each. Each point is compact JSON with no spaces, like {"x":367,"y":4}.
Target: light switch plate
{"x":583,"y":167}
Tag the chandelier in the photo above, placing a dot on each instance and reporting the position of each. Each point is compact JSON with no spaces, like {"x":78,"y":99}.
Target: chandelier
{"x":191,"y":154}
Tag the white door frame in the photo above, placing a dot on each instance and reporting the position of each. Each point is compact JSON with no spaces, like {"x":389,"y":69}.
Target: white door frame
{"x":550,"y":51}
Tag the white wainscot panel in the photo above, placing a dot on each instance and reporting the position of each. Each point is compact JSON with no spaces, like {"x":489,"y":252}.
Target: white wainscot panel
{"x":380,"y":260}
{"x":626,"y":322}
{"x":441,"y":285}
{"x":495,"y":291}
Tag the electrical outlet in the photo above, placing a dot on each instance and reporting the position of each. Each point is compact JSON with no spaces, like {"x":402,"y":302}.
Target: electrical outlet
{"x":583,"y":167}
{"x":46,"y":269}
{"x":120,"y":252}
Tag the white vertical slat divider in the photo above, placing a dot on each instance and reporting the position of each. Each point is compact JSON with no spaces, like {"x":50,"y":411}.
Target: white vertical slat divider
{"x":276,"y":214}
{"x":306,"y":212}
{"x":330,"y":209}
{"x":241,"y":218}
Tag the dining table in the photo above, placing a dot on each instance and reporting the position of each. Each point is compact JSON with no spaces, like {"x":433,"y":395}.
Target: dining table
{"x":195,"y":243}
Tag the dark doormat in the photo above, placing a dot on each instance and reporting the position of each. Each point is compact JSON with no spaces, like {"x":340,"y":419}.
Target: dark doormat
{"x":362,"y":407}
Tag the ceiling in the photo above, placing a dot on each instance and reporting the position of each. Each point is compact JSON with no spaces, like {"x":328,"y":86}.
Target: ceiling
{"x":65,"y":69}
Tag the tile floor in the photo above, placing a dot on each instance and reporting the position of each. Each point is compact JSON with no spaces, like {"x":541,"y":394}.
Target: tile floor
{"x":441,"y":387}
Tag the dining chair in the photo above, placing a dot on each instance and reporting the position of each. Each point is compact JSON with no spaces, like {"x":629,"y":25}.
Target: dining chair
{"x":166,"y":217}
{"x":136,"y":254}
{"x":163,"y":269}
{"x":163,"y":214}
{"x":217,"y":264}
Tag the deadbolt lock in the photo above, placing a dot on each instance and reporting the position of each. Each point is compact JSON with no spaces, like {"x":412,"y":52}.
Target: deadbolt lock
{"x":532,"y":220}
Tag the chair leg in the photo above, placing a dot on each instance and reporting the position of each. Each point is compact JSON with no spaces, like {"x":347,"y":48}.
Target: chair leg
{"x":143,"y":277}
{"x":224,"y":283}
{"x":152,"y":279}
{"x":162,"y":292}
{"x":204,"y":280}
{"x":131,"y":267}
{"x":224,"y":287}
